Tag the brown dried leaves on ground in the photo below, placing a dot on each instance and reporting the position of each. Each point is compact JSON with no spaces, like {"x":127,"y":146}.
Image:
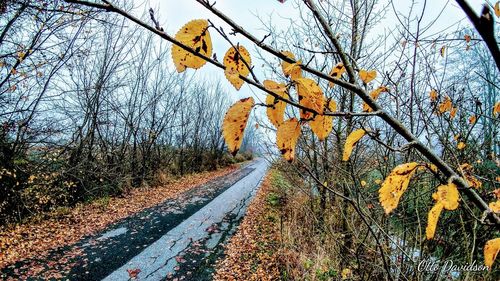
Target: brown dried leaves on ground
{"x":252,"y":253}
{"x":37,"y":237}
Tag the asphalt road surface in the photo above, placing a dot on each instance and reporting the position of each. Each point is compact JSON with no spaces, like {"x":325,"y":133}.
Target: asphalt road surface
{"x":179,"y":239}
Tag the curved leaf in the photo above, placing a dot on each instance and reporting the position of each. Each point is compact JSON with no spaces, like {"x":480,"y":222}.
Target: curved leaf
{"x":235,"y":122}
{"x":276,"y":108}
{"x":351,"y":141}
{"x":395,"y":185}
{"x":286,"y":138}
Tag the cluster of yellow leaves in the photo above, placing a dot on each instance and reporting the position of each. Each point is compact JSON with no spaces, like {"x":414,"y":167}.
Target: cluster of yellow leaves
{"x":287,"y":136}
{"x":235,"y":122}
{"x":446,"y":197}
{"x":497,"y":9}
{"x":395,"y":185}
{"x":445,"y":105}
{"x":374,"y":95}
{"x":351,"y":142}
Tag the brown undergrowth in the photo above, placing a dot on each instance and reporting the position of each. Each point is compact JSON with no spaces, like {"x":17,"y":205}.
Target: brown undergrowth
{"x":40,"y":234}
{"x":282,"y":238}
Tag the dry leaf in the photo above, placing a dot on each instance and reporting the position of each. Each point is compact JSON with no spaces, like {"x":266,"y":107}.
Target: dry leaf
{"x":310,"y":96}
{"x":432,"y":220}
{"x":336,"y":72}
{"x":433,"y":95}
{"x":195,"y":35}
{"x":495,"y":206}
{"x":367,"y":76}
{"x":374,"y":95}
{"x":472,"y":119}
{"x":287,"y":136}
{"x":235,"y":122}
{"x":491,"y":249}
{"x":276,"y":108}
{"x":234,"y":61}
{"x":496,"y":108}
{"x":351,"y":142}
{"x":291,"y":70}
{"x":395,"y":185}
{"x":322,"y":125}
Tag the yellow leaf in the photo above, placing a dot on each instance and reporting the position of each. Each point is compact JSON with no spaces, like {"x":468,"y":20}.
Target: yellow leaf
{"x":291,"y":70}
{"x":351,"y":141}
{"x":234,"y":61}
{"x":378,"y":181}
{"x":497,"y":9}
{"x":432,"y":220}
{"x":276,"y":108}
{"x":491,"y":249}
{"x":346,"y":274}
{"x":461,"y":145}
{"x":453,"y":112}
{"x":367,"y":76}
{"x":395,"y":185}
{"x":467,"y":170}
{"x":322,"y":125}
{"x":495,"y":206}
{"x":445,"y":105}
{"x":235,"y":122}
{"x":195,"y":35}
{"x":310,"y":96}
{"x":287,"y":136}
{"x":363,"y":183}
{"x":336,"y":72}
{"x":496,"y":108}
{"x":374,"y":95}
{"x":433,"y":95}
{"x":442,"y":51}
{"x":447,"y":195}
{"x":472,"y":119}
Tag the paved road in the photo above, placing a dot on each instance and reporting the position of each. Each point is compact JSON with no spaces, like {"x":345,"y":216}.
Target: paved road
{"x":178,"y":239}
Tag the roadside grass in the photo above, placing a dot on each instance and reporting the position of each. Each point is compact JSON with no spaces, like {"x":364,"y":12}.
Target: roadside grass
{"x":282,"y":238}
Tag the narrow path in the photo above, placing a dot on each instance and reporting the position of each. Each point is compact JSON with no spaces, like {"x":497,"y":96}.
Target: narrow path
{"x":156,"y":243}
